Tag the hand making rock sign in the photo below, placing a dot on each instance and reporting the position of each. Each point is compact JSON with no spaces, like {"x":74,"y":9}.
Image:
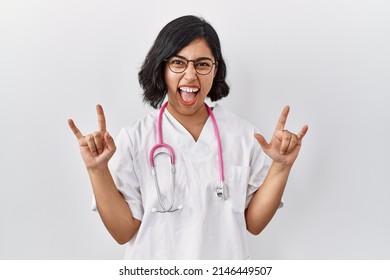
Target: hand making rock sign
{"x":285,"y":145}
{"x":96,"y":148}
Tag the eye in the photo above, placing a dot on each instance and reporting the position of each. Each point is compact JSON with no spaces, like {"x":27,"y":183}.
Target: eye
{"x":177,"y":62}
{"x":205,"y":63}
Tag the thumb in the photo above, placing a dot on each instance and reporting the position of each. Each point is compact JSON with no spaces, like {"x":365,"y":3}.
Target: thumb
{"x":263,"y":143}
{"x":110,"y":142}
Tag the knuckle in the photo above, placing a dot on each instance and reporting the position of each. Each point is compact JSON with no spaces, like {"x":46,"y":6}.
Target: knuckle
{"x":294,"y":139}
{"x":89,"y":137}
{"x":287,"y":135}
{"x":97,"y":134}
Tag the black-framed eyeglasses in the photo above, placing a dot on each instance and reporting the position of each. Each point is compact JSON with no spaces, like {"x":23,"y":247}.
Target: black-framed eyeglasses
{"x":202,"y":65}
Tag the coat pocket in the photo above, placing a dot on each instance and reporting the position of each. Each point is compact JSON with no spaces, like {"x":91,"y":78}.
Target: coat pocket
{"x":237,"y":182}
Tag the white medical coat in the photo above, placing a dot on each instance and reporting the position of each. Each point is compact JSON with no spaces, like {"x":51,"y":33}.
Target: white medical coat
{"x":207,"y":227}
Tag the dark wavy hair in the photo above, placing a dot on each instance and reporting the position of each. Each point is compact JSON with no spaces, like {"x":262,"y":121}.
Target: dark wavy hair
{"x":176,"y":35}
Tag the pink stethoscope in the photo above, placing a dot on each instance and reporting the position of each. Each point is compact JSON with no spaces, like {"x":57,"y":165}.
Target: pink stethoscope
{"x":222,"y":190}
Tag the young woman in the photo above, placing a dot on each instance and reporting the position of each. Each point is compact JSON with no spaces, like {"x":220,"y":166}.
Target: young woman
{"x":187,"y":181}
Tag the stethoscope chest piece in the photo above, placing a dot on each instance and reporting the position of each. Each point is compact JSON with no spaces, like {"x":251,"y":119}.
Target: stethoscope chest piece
{"x":222,"y":191}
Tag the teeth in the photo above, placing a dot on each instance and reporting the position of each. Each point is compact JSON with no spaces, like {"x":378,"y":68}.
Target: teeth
{"x":188,"y":89}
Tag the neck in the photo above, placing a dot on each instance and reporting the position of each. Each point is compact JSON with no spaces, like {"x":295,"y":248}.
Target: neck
{"x":193,"y":122}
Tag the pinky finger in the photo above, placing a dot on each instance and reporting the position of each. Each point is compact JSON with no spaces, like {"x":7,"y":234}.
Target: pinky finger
{"x":303,"y":131}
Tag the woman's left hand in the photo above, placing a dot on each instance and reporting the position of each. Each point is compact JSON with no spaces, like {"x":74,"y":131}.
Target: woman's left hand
{"x":285,"y":145}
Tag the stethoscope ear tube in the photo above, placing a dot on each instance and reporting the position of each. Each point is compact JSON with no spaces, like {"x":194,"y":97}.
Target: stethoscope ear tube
{"x":160,"y":200}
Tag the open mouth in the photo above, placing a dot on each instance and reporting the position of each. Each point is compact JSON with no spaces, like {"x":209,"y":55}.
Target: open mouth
{"x":188,"y":94}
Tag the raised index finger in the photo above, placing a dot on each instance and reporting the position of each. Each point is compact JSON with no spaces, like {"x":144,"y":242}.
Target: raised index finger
{"x":283,"y":118}
{"x":101,"y":118}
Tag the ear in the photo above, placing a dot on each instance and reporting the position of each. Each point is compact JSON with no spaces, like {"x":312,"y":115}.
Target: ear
{"x":215,"y":70}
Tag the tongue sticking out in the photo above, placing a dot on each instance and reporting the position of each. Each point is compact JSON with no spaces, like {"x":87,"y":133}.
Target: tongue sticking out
{"x":187,"y":96}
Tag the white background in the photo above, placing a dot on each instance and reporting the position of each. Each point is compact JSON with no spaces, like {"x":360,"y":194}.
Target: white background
{"x":329,"y":60}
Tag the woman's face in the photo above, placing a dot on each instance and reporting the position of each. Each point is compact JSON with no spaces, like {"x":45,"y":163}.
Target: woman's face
{"x":188,"y":90}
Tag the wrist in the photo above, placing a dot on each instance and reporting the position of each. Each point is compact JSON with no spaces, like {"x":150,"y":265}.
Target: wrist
{"x":281,"y":167}
{"x":98,"y":170}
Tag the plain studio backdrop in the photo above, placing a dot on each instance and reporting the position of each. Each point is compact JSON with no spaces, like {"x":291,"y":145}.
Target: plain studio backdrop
{"x":329,"y":60}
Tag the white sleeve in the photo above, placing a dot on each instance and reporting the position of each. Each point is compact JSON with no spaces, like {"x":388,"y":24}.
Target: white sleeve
{"x":122,"y":170}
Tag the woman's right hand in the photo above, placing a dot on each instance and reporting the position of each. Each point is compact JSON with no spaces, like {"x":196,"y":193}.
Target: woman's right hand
{"x":96,"y":148}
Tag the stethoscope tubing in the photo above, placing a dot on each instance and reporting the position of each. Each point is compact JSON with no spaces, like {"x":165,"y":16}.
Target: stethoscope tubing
{"x":221,"y":190}
{"x":161,"y":144}
{"x":219,"y":144}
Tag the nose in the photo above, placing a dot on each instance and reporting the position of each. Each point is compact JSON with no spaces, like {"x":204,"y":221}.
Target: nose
{"x":190,"y":72}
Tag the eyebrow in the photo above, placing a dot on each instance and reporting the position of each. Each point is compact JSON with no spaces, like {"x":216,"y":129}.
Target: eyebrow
{"x":199,"y":58}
